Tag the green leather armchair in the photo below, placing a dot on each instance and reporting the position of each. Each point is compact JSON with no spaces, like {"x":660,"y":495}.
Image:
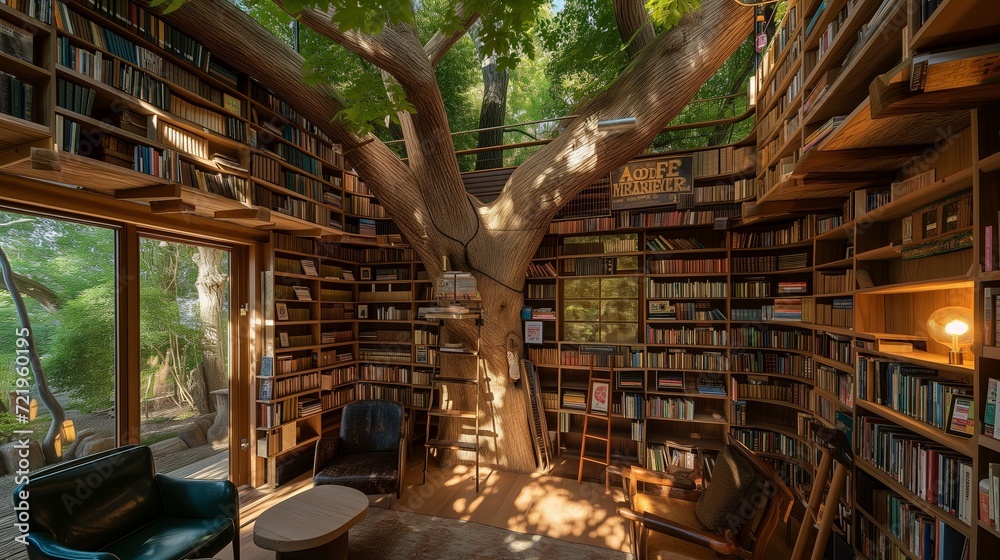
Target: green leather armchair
{"x":113,"y":506}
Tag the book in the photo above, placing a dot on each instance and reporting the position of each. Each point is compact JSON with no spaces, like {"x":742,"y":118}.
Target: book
{"x":309,"y":267}
{"x":302,"y":293}
{"x":990,"y":411}
{"x":984,"y":503}
{"x":266,"y":366}
{"x":265,"y":389}
{"x":989,"y":333}
{"x":988,"y":248}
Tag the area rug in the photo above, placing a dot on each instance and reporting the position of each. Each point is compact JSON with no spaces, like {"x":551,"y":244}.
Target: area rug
{"x":399,"y":534}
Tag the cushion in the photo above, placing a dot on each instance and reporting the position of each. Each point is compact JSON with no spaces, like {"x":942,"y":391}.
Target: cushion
{"x":374,"y":472}
{"x":371,"y":425}
{"x":724,"y":505}
{"x":172,"y":537}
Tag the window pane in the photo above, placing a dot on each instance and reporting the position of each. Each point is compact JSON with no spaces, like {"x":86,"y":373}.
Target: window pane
{"x":581,"y":310}
{"x":184,"y":327}
{"x":619,"y":310}
{"x":581,"y":332}
{"x":581,"y":288}
{"x":619,"y":287}
{"x":66,"y":274}
{"x":619,"y":332}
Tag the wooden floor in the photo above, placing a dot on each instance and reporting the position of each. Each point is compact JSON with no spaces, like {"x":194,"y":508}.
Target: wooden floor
{"x":528,"y":503}
{"x":548,"y":505}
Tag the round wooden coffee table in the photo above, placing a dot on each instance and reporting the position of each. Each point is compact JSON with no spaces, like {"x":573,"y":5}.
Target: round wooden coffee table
{"x":312,"y":524}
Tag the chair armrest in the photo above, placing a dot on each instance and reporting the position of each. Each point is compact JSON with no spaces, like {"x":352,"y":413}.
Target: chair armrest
{"x":184,"y":497}
{"x":708,"y":540}
{"x":46,"y":547}
{"x":656,"y":477}
{"x":326,"y":449}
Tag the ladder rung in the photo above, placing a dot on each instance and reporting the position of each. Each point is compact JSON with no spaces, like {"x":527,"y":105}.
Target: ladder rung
{"x":452,"y":413}
{"x":594,"y":460}
{"x":591,"y":436}
{"x":445,"y":444}
{"x":461,"y":352}
{"x":455,"y":380}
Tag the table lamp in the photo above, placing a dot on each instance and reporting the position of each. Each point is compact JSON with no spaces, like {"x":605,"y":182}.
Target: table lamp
{"x":952,"y":326}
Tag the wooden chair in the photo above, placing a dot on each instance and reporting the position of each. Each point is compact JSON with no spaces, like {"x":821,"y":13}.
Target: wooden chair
{"x":733,"y":517}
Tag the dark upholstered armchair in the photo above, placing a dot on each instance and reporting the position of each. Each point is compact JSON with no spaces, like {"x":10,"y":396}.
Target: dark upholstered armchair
{"x":369,"y":454}
{"x":733,"y":518}
{"x":112,"y":506}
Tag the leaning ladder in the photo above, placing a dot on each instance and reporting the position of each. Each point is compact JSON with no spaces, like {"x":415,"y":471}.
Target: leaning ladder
{"x":440,"y":381}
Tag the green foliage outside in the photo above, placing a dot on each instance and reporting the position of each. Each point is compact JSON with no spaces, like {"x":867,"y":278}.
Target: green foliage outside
{"x":556,"y":60}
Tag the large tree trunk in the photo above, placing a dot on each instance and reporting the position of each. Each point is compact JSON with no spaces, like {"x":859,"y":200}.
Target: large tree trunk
{"x":427,"y":199}
{"x":212,"y":283}
{"x":493,"y":109}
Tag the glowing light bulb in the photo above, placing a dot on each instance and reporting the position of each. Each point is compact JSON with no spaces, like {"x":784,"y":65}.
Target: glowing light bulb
{"x":956,"y":328}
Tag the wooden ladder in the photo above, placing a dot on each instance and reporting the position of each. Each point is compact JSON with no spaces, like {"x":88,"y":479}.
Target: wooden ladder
{"x":438,"y":382}
{"x":601,"y":432}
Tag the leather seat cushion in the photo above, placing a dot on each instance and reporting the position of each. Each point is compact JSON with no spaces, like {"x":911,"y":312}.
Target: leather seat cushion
{"x":662,"y":547}
{"x":372,"y":472}
{"x":173,"y":537}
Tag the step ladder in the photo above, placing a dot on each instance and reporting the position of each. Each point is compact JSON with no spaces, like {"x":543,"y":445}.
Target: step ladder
{"x":597,"y":422}
{"x":440,"y":381}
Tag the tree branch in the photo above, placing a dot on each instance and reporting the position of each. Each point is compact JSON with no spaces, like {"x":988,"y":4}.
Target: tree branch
{"x":654,"y":89}
{"x":634,"y":25}
{"x":440,"y":44}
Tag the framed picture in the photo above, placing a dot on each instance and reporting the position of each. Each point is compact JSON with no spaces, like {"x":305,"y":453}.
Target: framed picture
{"x":366,"y":273}
{"x":960,"y":416}
{"x":850,"y":252}
{"x":266,"y":390}
{"x":362,"y":311}
{"x":533,"y":332}
{"x":600,"y":392}
{"x":281,"y":311}
{"x":283,"y":339}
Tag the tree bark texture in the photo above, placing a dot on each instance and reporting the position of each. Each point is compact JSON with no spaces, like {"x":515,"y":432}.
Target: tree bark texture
{"x":427,"y":199}
{"x":212,"y":283}
{"x":493,"y":109}
{"x":634,"y":25}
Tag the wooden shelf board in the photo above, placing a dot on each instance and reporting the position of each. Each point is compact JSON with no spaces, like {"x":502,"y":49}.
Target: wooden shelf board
{"x":17,"y":132}
{"x":775,"y":402}
{"x":846,"y":368}
{"x":948,"y":283}
{"x":29,"y":23}
{"x":880,"y":52}
{"x":957,"y":21}
{"x":684,"y":441}
{"x":931,"y":509}
{"x":957,"y":444}
{"x":861,"y":130}
{"x":845,"y":331}
{"x":797,"y":188}
{"x":23,"y":69}
{"x":835,"y":265}
{"x":829,"y":14}
{"x":845,"y":40}
{"x":905,"y":205}
{"x":991,"y":352}
{"x":988,"y":442}
{"x":926,"y":359}
{"x":843,"y":231}
{"x":990,"y":162}
{"x":886,"y":252}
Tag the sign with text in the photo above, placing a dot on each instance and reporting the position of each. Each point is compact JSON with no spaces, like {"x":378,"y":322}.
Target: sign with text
{"x":651,"y":182}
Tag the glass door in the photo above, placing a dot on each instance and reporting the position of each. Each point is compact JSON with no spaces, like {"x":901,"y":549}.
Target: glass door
{"x":185,"y":353}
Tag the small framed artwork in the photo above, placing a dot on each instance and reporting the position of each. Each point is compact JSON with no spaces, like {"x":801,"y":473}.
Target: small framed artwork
{"x":281,"y":311}
{"x":365,"y":273}
{"x":960,"y":416}
{"x":362,"y":311}
{"x":266,"y":390}
{"x":850,"y":252}
{"x":600,"y":392}
{"x":283,"y":339}
{"x":533,"y":332}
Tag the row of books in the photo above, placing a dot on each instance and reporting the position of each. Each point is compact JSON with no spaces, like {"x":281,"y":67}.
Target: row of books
{"x":796,"y":231}
{"x":229,"y":186}
{"x":364,"y":206}
{"x":684,"y":266}
{"x":793,"y":365}
{"x":739,"y":190}
{"x":756,"y":337}
{"x":915,"y":391}
{"x":837,"y":313}
{"x":769,"y":263}
{"x":38,"y":9}
{"x":700,"y":336}
{"x":679,"y":359}
{"x":685,"y":289}
{"x":17,"y":42}
{"x":930,"y":471}
{"x":616,"y":244}
{"x":17,"y":97}
{"x":685,"y":311}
